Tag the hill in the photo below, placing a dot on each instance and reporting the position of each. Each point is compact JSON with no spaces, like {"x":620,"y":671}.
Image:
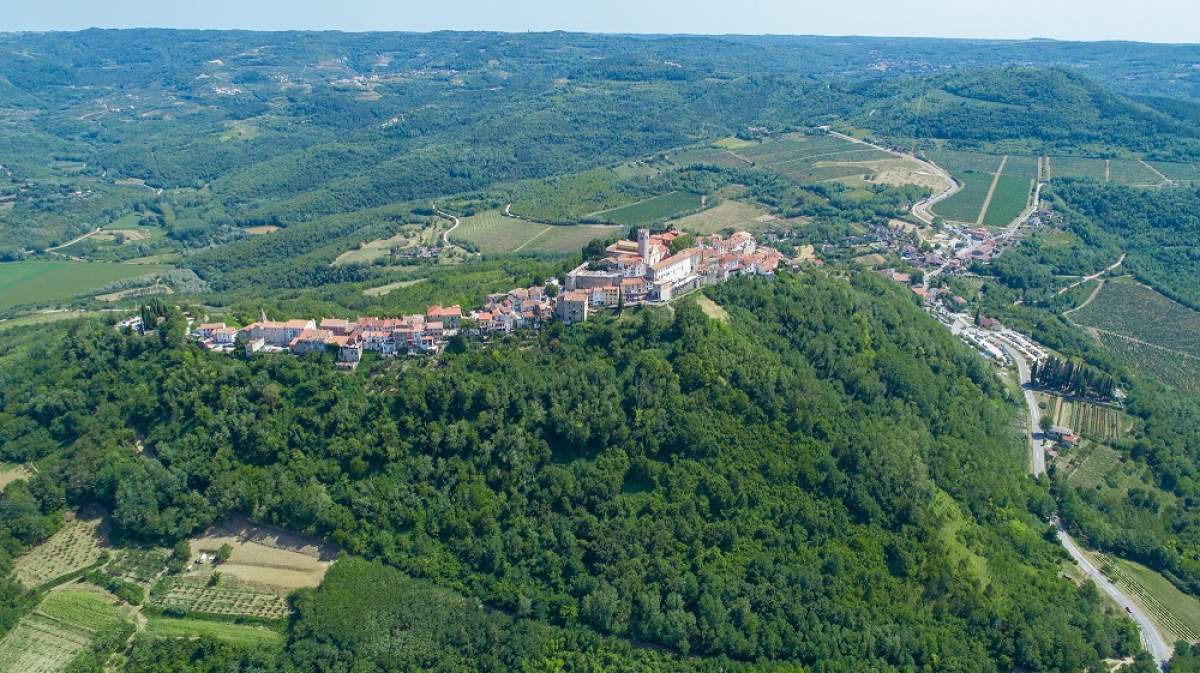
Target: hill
{"x":1033,"y":109}
{"x":828,"y":479}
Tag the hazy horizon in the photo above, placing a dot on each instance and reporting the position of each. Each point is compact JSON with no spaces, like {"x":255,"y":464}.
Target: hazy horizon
{"x":1157,"y":21}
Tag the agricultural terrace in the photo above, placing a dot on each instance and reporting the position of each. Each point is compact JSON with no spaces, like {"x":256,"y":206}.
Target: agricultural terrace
{"x":239,"y":634}
{"x":651,"y":210}
{"x":77,"y":545}
{"x":38,"y":282}
{"x":725,"y":215}
{"x":1175,"y":612}
{"x":492,"y":232}
{"x":63,"y":625}
{"x":1089,"y":420}
{"x":1129,"y":309}
{"x":140,"y":566}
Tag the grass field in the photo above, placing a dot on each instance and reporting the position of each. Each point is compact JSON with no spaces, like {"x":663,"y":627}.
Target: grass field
{"x":35,"y":282}
{"x":240,"y":634}
{"x":63,"y":625}
{"x":724,"y":215}
{"x":408,"y":237}
{"x":712,"y":309}
{"x":651,"y":210}
{"x":1173,"y":610}
{"x":1132,"y":172}
{"x":76,"y":545}
{"x":492,"y":232}
{"x":1128,"y":308}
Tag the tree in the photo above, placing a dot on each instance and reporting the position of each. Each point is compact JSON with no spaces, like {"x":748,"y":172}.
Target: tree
{"x":224,"y":553}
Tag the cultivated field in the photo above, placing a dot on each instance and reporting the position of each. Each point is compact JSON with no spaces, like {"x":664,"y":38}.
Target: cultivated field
{"x":140,"y":566}
{"x":1090,"y":420}
{"x":78,"y":544}
{"x":651,"y":210}
{"x":724,"y":215}
{"x":240,"y":634}
{"x":1134,"y":310}
{"x":1174,"y":611}
{"x":1008,"y":201}
{"x":1120,"y":171}
{"x":492,"y":232}
{"x":1077,"y":167}
{"x":975,"y":171}
{"x":36,"y":282}
{"x":1179,"y":172}
{"x":816,"y":158}
{"x":194,"y":595}
{"x":269,"y":557}
{"x":1090,"y":464}
{"x":63,"y":625}
{"x":1166,"y":366}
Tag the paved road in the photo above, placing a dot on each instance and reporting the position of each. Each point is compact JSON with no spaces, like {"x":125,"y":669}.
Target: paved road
{"x":1155,"y":644}
{"x":1152,"y":639}
{"x":1037,"y":444}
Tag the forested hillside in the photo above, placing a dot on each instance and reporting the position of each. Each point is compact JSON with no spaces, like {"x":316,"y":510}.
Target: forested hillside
{"x":832,"y":479}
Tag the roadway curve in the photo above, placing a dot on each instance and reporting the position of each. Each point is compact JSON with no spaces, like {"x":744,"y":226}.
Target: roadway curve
{"x":446,"y":234}
{"x":920,"y":210}
{"x":1152,"y":638}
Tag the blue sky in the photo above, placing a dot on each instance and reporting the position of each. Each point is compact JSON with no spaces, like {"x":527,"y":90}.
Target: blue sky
{"x":1147,"y":20}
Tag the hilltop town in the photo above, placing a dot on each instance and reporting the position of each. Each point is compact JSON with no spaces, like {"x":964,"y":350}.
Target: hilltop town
{"x":654,"y":269}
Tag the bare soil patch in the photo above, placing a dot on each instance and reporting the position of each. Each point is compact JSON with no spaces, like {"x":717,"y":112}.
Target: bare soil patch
{"x":11,"y":473}
{"x":266,"y":555}
{"x":260,"y":230}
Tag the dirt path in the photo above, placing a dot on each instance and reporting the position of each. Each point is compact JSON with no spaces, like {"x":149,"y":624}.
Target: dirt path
{"x":535,"y":237}
{"x":1096,"y":291}
{"x":1108,"y":170}
{"x":1094,"y":276}
{"x":75,"y":240}
{"x":446,"y":234}
{"x":739,"y":157}
{"x":987,"y":201}
{"x":1165,"y":180}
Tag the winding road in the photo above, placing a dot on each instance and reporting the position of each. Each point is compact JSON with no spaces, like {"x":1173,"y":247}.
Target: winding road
{"x":1094,"y":276}
{"x":920,"y":210}
{"x":1152,"y":638}
{"x":446,"y":234}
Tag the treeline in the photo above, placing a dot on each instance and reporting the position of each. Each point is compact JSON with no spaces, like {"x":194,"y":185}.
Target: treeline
{"x":774,"y":490}
{"x":1072,"y":377}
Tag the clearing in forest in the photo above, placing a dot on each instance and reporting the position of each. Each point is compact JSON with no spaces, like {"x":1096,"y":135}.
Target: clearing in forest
{"x":380,"y":290}
{"x":265,"y":555}
{"x":712,"y":309}
{"x":10,"y":473}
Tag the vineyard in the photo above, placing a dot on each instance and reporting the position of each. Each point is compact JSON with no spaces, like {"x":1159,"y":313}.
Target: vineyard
{"x":76,"y":545}
{"x":140,"y":566}
{"x":1089,"y":466}
{"x":188,"y":595}
{"x":1137,"y":311}
{"x":1154,"y":592}
{"x":61,"y":627}
{"x":1089,"y":420}
{"x":1166,"y":366}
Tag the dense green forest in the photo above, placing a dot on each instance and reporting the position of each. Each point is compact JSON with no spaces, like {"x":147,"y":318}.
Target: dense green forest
{"x":832,"y":479}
